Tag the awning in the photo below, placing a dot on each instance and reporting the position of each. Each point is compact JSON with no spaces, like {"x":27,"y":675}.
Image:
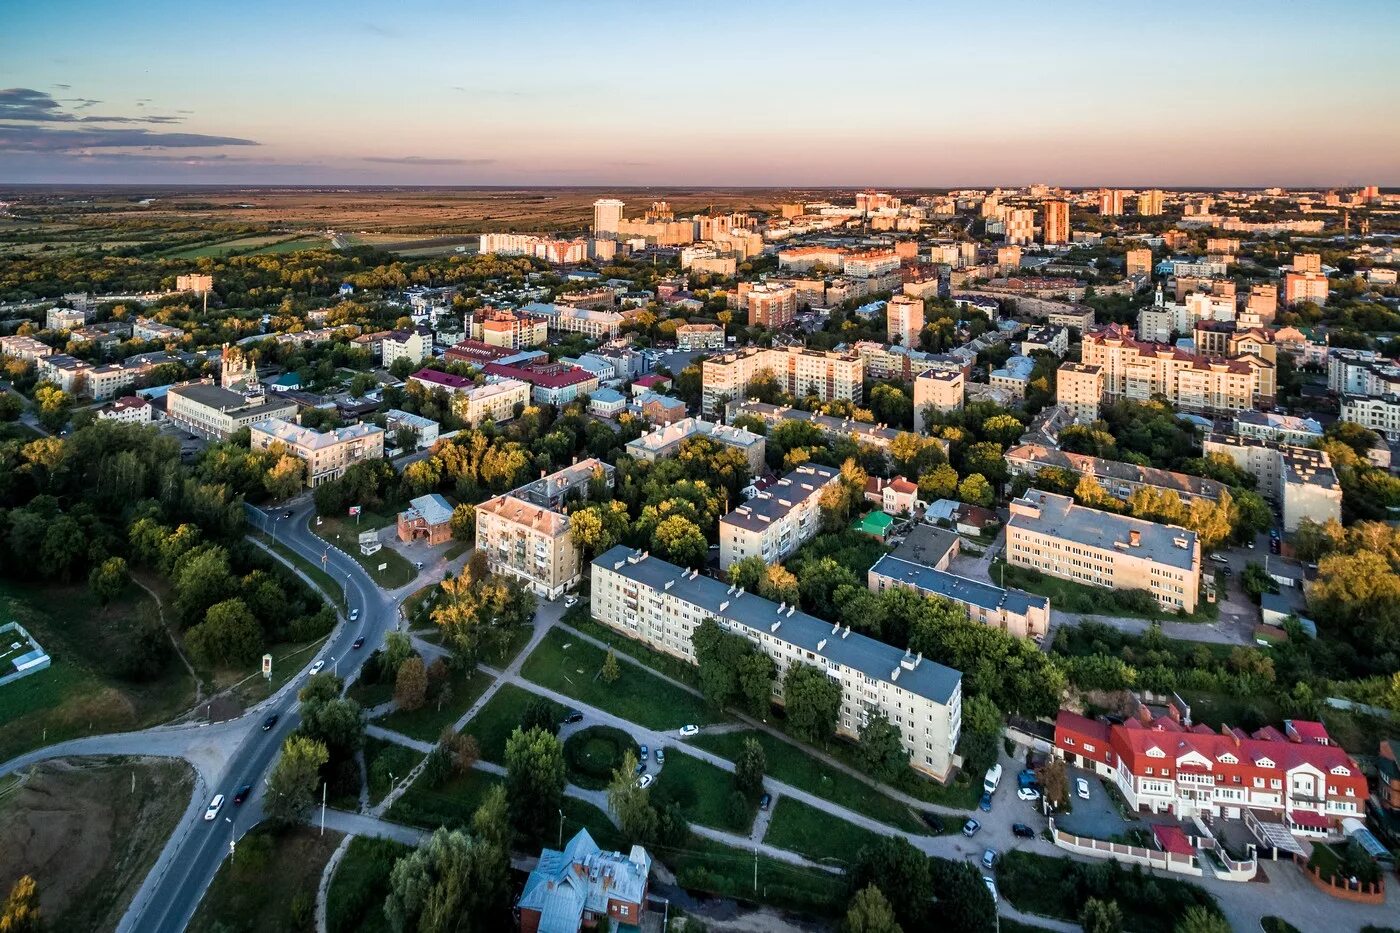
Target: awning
{"x":1172,"y":839}
{"x":1309,"y":820}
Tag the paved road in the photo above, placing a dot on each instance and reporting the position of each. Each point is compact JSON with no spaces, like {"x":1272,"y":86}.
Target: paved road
{"x":168,"y":898}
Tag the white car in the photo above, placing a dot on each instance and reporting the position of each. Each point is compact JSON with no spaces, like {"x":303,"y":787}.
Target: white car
{"x":992,"y":889}
{"x":570,"y":602}
{"x":214,"y":807}
{"x":316,"y":668}
{"x":1028,"y":793}
{"x":354,"y":615}
{"x":1081,"y":788}
{"x":1219,"y":558}
{"x":645,"y":780}
{"x":688,"y":731}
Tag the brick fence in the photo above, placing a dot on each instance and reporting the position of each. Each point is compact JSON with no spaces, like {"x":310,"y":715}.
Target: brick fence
{"x":1360,"y":893}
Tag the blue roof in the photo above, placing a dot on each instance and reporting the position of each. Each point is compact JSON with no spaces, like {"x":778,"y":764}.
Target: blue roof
{"x":934,"y":582}
{"x":607,"y":395}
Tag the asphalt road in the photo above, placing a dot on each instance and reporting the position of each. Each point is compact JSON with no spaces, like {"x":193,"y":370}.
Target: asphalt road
{"x":179,"y":879}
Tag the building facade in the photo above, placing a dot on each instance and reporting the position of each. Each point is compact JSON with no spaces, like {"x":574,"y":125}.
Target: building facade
{"x":1300,"y":480}
{"x":700,"y":337}
{"x":779,"y":520}
{"x":904,"y":320}
{"x":939,"y":390}
{"x":212,"y":412}
{"x":829,"y":376}
{"x":327,"y":454}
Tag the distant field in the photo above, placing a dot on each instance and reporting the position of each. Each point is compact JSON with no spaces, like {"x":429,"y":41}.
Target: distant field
{"x":230,"y":246}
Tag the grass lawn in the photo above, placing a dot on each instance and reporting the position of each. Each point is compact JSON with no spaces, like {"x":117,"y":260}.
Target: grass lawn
{"x":78,"y":828}
{"x":567,"y":665}
{"x":1277,"y":925}
{"x":80,"y":693}
{"x":593,"y":754}
{"x":792,"y":766}
{"x":344,"y":533}
{"x":355,"y":902}
{"x":386,"y":762}
{"x":581,"y":815}
{"x":703,"y":792}
{"x":710,"y":867}
{"x":800,"y":828}
{"x":451,"y":804}
{"x":428,"y":722}
{"x":1069,"y":596}
{"x":370,"y":695}
{"x":416,"y":603}
{"x":327,"y":583}
{"x":674,"y":668}
{"x":270,"y":887}
{"x":494,"y":722}
{"x":288,"y":659}
{"x":227,"y":247}
{"x":457,"y":550}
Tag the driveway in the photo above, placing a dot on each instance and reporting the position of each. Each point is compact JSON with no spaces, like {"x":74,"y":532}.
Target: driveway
{"x":1097,"y":816}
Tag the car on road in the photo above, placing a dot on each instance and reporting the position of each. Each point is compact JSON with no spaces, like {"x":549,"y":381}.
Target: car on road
{"x":354,"y":615}
{"x":570,"y":602}
{"x":645,"y":780}
{"x":316,"y":668}
{"x":985,"y":804}
{"x":989,"y":859}
{"x":214,"y":806}
{"x":688,"y":731}
{"x":287,"y":514}
{"x":241,"y":794}
{"x":661,"y":756}
{"x":765,"y":801}
{"x":1028,"y":793}
{"x":358,"y":643}
{"x":970,"y":828}
{"x":1022,"y":831}
{"x":1081,"y":788}
{"x":1219,"y":558}
{"x":269,"y":722}
{"x":933,"y":821}
{"x":573,"y":716}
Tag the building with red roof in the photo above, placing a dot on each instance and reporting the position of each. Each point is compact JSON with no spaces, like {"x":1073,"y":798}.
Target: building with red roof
{"x":1298,"y":776}
{"x":552,"y":383}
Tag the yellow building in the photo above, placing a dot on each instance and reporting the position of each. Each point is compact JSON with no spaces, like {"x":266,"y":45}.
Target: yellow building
{"x":327,"y":454}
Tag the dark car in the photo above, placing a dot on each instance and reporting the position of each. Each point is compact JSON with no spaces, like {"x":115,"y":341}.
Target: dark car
{"x":287,"y":514}
{"x":358,"y":643}
{"x":765,"y":801}
{"x":573,"y":715}
{"x":985,"y":804}
{"x":269,"y":722}
{"x":1226,"y":571}
{"x":932,"y":821}
{"x":241,"y":794}
{"x":1022,"y":831}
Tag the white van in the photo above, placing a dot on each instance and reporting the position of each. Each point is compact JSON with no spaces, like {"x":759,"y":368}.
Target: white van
{"x":992,"y":780}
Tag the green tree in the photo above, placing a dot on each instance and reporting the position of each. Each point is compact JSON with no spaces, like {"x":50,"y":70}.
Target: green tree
{"x":292,"y":785}
{"x":1054,"y":783}
{"x":870,"y":912}
{"x":747,"y":573}
{"x":680,"y":541}
{"x":328,"y":717}
{"x":534,"y":780}
{"x":812,"y":701}
{"x":749,"y":767}
{"x":54,"y":406}
{"x":1101,"y":916}
{"x":1201,"y":919}
{"x":902,"y":873}
{"x":108,"y":580}
{"x":631,"y":803}
{"x":611,"y":671}
{"x":779,"y":585}
{"x":452,"y":883}
{"x":975,"y":490}
{"x":229,"y":635}
{"x":939,"y":483}
{"x":491,"y":821}
{"x":981,"y":734}
{"x":881,"y":749}
{"x":285,"y":478}
{"x":411,"y":684}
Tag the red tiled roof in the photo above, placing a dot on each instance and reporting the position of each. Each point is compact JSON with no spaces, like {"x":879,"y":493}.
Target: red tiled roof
{"x":1309,"y":820}
{"x":549,"y":375}
{"x":446,"y":380}
{"x":1172,"y":839}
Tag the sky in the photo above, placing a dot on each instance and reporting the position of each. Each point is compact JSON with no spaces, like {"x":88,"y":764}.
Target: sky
{"x":717,"y":93}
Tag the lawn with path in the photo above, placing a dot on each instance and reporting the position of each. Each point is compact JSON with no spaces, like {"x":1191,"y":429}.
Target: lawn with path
{"x":821,"y":837}
{"x":385,"y":763}
{"x":344,"y":532}
{"x":703,"y":792}
{"x":428,"y":721}
{"x":355,"y":900}
{"x":706,"y":866}
{"x":450,"y":804}
{"x":270,"y":885}
{"x":500,"y":716}
{"x":593,"y":754}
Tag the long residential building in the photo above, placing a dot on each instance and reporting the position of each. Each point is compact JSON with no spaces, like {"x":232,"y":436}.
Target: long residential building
{"x":876,"y":435}
{"x":493,"y":400}
{"x":25,"y":348}
{"x":779,"y":520}
{"x":1285,"y":429}
{"x":1137,"y":370}
{"x":892,"y":361}
{"x":660,"y":605}
{"x":1118,"y":479}
{"x":596,"y":323}
{"x":1299,"y":479}
{"x":551,"y":383}
{"x":1297,"y":777}
{"x":1050,"y":534}
{"x":327,"y":454}
{"x":699,"y":337}
{"x":666,"y":441}
{"x":827,"y":375}
{"x":212,"y":412}
{"x":1380,"y":413}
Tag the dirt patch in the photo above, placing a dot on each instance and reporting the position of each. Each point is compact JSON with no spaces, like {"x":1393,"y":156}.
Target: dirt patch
{"x":78,"y":828}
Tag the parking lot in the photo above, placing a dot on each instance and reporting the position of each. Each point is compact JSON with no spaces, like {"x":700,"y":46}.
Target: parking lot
{"x":1097,"y":816}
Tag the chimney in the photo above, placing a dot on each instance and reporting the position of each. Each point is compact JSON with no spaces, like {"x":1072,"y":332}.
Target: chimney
{"x":1134,"y":538}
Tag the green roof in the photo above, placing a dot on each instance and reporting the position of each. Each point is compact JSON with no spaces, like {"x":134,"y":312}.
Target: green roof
{"x":875,"y":523}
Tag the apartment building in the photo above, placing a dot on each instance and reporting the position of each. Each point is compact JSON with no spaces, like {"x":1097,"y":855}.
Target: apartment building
{"x":878,"y":436}
{"x":1361,"y":372}
{"x":1056,"y":228}
{"x":25,"y":348}
{"x":64,"y":318}
{"x":1134,"y":369}
{"x":1262,"y":303}
{"x":1118,"y":479}
{"x":572,"y":482}
{"x":327,"y":454}
{"x":1111,"y":202}
{"x":1013,"y":377}
{"x":665,"y":442}
{"x":1151,"y":203}
{"x":515,"y":330}
{"x":557,"y":252}
{"x":1049,"y":533}
{"x":1284,"y":429}
{"x":1138,"y":261}
{"x":1019,"y":227}
{"x":699,"y":337}
{"x":771,"y":306}
{"x":1046,"y":338}
{"x":1380,"y":413}
{"x":155,"y":332}
{"x":494,"y":400}
{"x":1299,"y":479}
{"x":425,"y":430}
{"x":1298,"y":777}
{"x":212,"y":412}
{"x":938,"y":389}
{"x":414,"y":344}
{"x":805,"y":258}
{"x":871,"y":263}
{"x":893,"y":361}
{"x":550,"y":383}
{"x":660,"y":605}
{"x":593,"y":322}
{"x":779,"y":520}
{"x":1078,"y":318}
{"x":127,"y":410}
{"x":607,"y":214}
{"x":904,"y":320}
{"x":1305,"y":286}
{"x":827,"y":375}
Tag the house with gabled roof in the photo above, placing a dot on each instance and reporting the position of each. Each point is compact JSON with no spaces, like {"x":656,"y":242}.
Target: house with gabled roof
{"x":584,"y":887}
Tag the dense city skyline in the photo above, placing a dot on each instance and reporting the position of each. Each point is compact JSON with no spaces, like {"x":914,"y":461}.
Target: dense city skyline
{"x":558,"y":95}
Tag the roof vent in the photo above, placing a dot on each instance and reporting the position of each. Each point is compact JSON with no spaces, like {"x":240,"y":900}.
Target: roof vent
{"x":894,"y":675}
{"x":774,"y":626}
{"x":669,"y":584}
{"x":724,"y":605}
{"x":836,"y":628}
{"x":846,"y":632}
{"x":792,"y":609}
{"x":821,"y":644}
{"x":781,"y":607}
{"x":617,"y":565}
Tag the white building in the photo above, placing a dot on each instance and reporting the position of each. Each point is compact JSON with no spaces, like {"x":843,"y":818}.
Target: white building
{"x":414,"y":344}
{"x":779,"y":520}
{"x":426,"y":429}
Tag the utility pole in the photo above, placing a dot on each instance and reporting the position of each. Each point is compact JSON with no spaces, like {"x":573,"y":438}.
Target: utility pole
{"x":561,"y":829}
{"x":323,"y":807}
{"x":755,"y":869}
{"x":133,"y":782}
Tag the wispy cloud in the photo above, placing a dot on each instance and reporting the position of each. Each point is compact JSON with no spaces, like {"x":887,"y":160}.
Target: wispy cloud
{"x":26,"y":105}
{"x":424,"y":160}
{"x":48,"y":139}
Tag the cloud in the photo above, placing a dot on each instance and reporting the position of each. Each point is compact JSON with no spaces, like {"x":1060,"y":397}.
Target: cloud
{"x":64,"y":87}
{"x":47,"y":139}
{"x":26,"y":105}
{"x":422,"y":160}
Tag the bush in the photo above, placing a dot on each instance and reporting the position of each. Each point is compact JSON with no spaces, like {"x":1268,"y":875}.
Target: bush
{"x":593,"y":754}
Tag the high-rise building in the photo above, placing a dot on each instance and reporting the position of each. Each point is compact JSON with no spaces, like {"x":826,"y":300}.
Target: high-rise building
{"x":1111,"y":202}
{"x":937,"y":390}
{"x":799,"y":372}
{"x":772,"y":306}
{"x":1056,"y":229}
{"x":1020,"y":227}
{"x":1307,"y":262}
{"x":1149,"y":203}
{"x":607,"y":216}
{"x":1139,"y":261}
{"x":904,"y":320}
{"x":1305,"y":286}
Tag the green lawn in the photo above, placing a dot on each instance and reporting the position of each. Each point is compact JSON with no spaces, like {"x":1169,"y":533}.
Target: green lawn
{"x":569,"y":666}
{"x":703,"y":792}
{"x":81,"y":692}
{"x":428,"y":722}
{"x":288,"y":659}
{"x":580,"y":815}
{"x":451,"y":804}
{"x":703,"y":865}
{"x":370,"y":695}
{"x":327,"y":583}
{"x":593,"y":754}
{"x":674,"y":668}
{"x":1070,"y":596}
{"x":792,"y":766}
{"x":270,"y":887}
{"x":344,"y":533}
{"x":355,"y":902}
{"x":386,"y":762}
{"x":808,"y":831}
{"x":494,"y":722}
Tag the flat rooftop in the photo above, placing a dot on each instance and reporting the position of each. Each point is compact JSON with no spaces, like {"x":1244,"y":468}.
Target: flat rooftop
{"x":1060,"y":518}
{"x":775,"y":502}
{"x":960,"y":589}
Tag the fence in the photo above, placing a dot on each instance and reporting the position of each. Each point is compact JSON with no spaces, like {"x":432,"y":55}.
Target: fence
{"x":28,"y":662}
{"x":1098,"y":848}
{"x":1360,"y":892}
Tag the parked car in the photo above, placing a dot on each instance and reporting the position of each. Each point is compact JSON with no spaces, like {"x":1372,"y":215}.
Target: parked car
{"x":985,"y":804}
{"x":989,"y":858}
{"x":1022,"y":831}
{"x":573,"y":715}
{"x":970,"y":828}
{"x":241,"y":794}
{"x":269,"y":722}
{"x":933,"y":821}
{"x":641,"y":767}
{"x":992,"y":889}
{"x":643,"y":754}
{"x":1028,"y":793}
{"x":765,"y":801}
{"x":688,"y":731}
{"x":1219,"y":558}
{"x":661,"y":756}
{"x":358,"y":643}
{"x":570,"y":602}
{"x":286,"y":514}
{"x":646,"y":780}
{"x":1081,"y":788}
{"x":1026,"y":778}
{"x":214,"y":807}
